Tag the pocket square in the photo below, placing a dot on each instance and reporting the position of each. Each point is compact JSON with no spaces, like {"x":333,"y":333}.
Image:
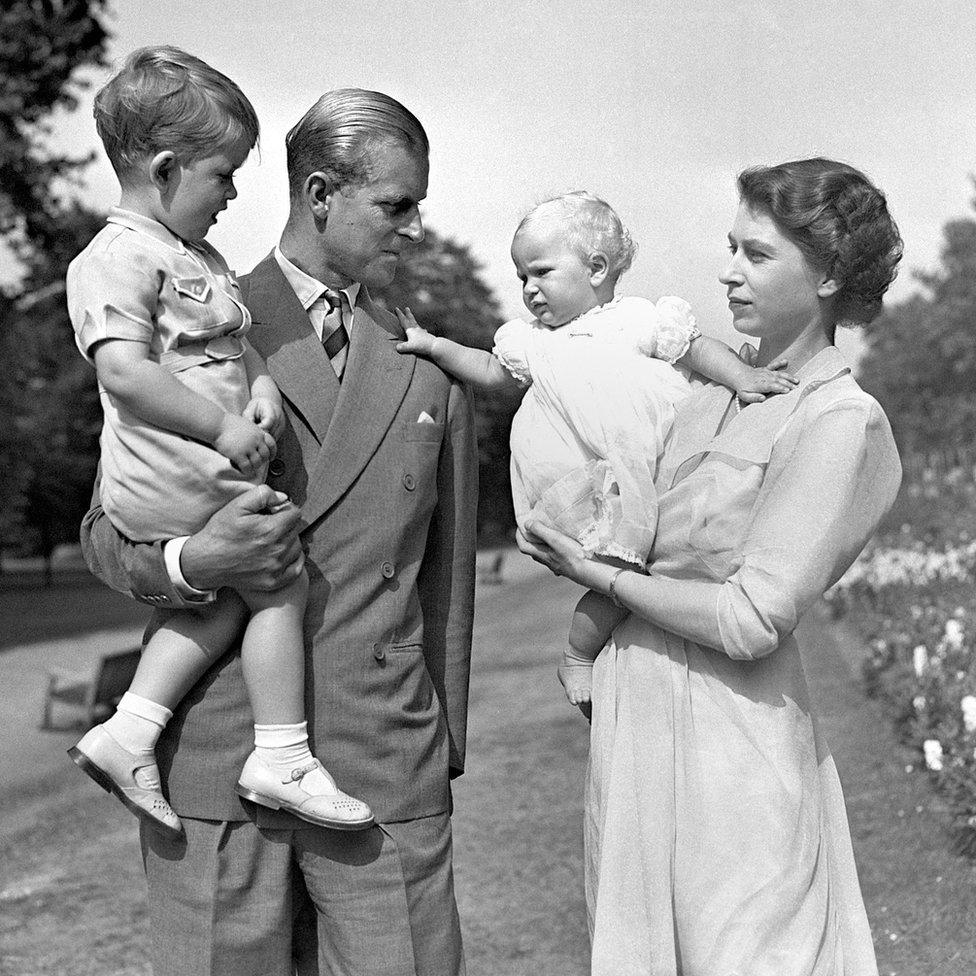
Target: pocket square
{"x":425,"y":418}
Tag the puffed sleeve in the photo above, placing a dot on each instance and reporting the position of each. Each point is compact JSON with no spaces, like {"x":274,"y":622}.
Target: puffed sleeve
{"x":512,"y":349}
{"x":112,"y":293}
{"x":829,"y":482}
{"x":676,"y":328}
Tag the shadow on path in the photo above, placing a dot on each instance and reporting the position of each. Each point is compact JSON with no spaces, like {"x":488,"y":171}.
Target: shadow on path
{"x":77,"y":603}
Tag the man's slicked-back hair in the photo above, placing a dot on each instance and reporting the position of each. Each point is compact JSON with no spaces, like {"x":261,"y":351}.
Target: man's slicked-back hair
{"x":165,"y":99}
{"x":334,"y":136}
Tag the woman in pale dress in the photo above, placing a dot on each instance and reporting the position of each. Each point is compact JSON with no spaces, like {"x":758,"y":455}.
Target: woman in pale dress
{"x":716,"y":836}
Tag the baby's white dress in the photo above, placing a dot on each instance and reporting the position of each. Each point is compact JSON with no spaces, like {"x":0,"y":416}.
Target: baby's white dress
{"x":588,"y":435}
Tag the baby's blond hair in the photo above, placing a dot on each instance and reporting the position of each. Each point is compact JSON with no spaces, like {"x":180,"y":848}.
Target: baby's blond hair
{"x":592,"y":226}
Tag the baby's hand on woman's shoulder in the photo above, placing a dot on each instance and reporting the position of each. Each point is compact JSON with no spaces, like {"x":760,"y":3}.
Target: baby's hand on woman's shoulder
{"x":761,"y":380}
{"x":419,"y":341}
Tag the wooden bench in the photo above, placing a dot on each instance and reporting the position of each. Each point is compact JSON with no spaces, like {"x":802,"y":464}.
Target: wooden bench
{"x":94,"y":694}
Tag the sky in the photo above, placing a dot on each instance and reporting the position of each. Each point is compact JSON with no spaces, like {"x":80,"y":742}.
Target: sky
{"x":653,"y":105}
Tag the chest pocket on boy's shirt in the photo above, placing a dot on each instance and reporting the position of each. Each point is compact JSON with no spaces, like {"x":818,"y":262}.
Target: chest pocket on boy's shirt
{"x":726,"y":492}
{"x":197,"y":288}
{"x":199,"y":309}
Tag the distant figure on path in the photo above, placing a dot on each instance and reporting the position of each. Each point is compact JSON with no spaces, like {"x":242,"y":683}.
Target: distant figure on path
{"x":716,"y":836}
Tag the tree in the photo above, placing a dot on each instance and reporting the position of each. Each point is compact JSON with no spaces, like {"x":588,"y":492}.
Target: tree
{"x":47,"y":393}
{"x":439,"y":281}
{"x":43,"y":44}
{"x":52,"y":401}
{"x":921,"y":356}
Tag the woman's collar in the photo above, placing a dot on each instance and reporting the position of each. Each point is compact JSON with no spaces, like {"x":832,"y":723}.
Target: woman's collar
{"x":822,"y":366}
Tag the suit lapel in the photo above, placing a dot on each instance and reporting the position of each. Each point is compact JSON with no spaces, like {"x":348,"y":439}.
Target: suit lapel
{"x":283,"y":335}
{"x":375,"y":380}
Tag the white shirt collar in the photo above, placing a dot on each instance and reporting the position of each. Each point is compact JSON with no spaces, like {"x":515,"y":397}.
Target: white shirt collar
{"x":306,"y":288}
{"x":145,"y":225}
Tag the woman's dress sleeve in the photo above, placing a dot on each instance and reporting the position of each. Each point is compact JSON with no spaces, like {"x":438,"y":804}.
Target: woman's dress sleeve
{"x":829,"y":482}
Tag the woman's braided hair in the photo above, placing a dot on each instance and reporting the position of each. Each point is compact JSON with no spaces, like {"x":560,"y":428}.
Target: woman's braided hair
{"x":839,"y":219}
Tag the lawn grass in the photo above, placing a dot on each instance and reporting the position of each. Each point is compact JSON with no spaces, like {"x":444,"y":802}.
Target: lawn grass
{"x":920,"y":896}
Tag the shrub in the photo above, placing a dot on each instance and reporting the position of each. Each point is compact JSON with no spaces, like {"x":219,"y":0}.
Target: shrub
{"x":912,"y":596}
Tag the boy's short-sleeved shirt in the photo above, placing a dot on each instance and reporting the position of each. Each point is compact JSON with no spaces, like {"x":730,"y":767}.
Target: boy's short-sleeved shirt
{"x":136,"y":281}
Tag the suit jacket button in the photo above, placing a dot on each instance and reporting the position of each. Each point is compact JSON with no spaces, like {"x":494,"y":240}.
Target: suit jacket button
{"x":388,"y":569}
{"x":276,"y":467}
{"x":378,"y":652}
{"x":408,"y":482}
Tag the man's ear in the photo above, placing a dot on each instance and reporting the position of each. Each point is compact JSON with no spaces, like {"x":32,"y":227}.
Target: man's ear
{"x":162,"y":169}
{"x":318,"y":194}
{"x":599,"y":267}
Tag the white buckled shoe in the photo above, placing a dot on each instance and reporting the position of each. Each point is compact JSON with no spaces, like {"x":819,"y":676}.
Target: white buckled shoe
{"x":330,"y":807}
{"x":131,"y":776}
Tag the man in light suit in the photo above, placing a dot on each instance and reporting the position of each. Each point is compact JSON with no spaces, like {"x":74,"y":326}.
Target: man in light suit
{"x":379,"y":463}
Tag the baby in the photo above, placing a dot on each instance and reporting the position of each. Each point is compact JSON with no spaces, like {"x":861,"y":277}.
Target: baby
{"x":191,"y":417}
{"x":604,"y":375}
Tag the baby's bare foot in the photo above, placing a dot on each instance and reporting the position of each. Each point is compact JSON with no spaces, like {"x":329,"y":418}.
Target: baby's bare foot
{"x":577,"y":681}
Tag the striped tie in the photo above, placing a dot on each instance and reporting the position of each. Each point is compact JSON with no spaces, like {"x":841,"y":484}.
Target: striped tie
{"x":335,"y":339}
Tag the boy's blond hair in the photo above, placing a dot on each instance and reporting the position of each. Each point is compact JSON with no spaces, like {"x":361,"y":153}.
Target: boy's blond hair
{"x":163,"y":98}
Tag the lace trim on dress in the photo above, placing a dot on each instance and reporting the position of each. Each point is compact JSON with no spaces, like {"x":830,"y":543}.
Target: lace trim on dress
{"x":677,"y":328}
{"x":662,"y":331}
{"x":511,"y":340}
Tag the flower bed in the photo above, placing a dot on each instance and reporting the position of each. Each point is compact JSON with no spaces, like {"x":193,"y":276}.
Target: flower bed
{"x":912,"y":596}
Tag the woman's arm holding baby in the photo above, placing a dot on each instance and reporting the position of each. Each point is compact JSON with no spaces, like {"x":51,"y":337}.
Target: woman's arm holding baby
{"x":475,"y":366}
{"x":832,"y":476}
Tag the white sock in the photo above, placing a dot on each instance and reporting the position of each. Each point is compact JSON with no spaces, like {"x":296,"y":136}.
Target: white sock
{"x":283,"y":745}
{"x":284,"y":748}
{"x":138,"y":722}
